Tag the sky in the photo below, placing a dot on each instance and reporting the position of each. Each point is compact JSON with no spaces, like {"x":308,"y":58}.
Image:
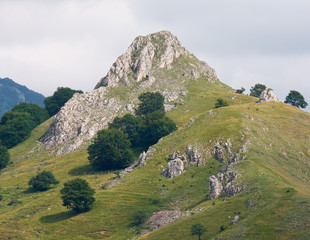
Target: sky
{"x":73,"y":43}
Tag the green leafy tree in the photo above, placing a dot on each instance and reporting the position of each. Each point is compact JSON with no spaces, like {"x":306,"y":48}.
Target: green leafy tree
{"x":77,"y":195}
{"x":37,"y":113}
{"x":16,"y":124}
{"x":150,"y":102}
{"x":220,"y":102}
{"x":296,"y":99}
{"x":198,"y":229}
{"x":111,"y":149}
{"x":129,"y":124}
{"x":4,"y":157}
{"x":15,"y":129}
{"x":257,"y":90}
{"x":156,"y":125}
{"x":54,"y":103}
{"x":43,"y":181}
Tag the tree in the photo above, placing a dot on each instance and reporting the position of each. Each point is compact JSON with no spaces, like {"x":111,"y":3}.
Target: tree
{"x":43,"y":181}
{"x":15,"y":128}
{"x":198,"y":229}
{"x":150,"y":102}
{"x":77,"y":195}
{"x":138,"y":218}
{"x":54,"y":103}
{"x":240,"y":91}
{"x":296,"y":99}
{"x":129,"y":124}
{"x":220,"y":102}
{"x":16,"y":124}
{"x":156,"y":125}
{"x":4,"y":157}
{"x":111,"y":149}
{"x":257,"y":90}
{"x":37,"y":113}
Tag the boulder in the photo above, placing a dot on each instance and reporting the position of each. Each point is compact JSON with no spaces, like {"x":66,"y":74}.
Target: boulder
{"x":175,"y":168}
{"x":268,"y":96}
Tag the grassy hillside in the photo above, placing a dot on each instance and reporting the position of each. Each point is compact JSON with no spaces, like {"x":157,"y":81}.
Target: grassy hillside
{"x":275,"y":203}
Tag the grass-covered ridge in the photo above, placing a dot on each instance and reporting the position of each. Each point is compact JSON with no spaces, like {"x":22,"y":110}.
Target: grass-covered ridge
{"x":274,"y":205}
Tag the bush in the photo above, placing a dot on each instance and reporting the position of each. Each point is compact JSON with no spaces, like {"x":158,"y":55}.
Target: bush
{"x":150,"y":102}
{"x":220,"y":102}
{"x":240,"y":91}
{"x":296,"y":99}
{"x":77,"y":195}
{"x":110,"y":150}
{"x":43,"y":181}
{"x":257,"y":90}
{"x":4,"y":157}
{"x":138,"y":218}
{"x":54,"y":103}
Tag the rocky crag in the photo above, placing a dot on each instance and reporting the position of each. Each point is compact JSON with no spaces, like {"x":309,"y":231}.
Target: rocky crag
{"x":156,"y":62}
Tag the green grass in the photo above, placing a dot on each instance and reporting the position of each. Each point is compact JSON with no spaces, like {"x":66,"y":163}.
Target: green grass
{"x":274,"y":205}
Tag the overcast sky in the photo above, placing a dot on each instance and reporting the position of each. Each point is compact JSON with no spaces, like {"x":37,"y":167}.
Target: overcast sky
{"x":73,"y":43}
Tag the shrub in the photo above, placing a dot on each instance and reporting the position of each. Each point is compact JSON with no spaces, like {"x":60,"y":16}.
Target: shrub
{"x":296,"y":99}
{"x":240,"y":91}
{"x":110,"y":150}
{"x":220,"y":102}
{"x":43,"y":181}
{"x":138,"y":218}
{"x":77,"y":195}
{"x":54,"y":103}
{"x":4,"y":157}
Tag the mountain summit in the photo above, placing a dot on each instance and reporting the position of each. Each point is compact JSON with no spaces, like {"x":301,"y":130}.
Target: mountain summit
{"x":156,"y":62}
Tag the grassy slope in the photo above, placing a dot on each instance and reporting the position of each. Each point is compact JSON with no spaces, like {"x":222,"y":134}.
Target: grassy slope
{"x":277,"y":162}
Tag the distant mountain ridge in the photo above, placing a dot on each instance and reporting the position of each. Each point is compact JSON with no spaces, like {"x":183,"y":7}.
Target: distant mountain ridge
{"x":12,"y":93}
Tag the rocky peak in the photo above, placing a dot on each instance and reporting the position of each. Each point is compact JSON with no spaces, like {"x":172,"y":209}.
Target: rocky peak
{"x":268,"y":96}
{"x":156,"y":63}
{"x":154,"y":50}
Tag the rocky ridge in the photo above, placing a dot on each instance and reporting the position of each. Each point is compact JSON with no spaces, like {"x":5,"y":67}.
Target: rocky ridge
{"x":156,"y":62}
{"x":268,"y":96}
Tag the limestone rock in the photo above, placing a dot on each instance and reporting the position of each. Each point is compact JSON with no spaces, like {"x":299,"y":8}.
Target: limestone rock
{"x":215,"y":187}
{"x":157,"y":62}
{"x":235,"y":220}
{"x":163,"y":218}
{"x":193,"y":155}
{"x":268,"y":96}
{"x":218,"y":152}
{"x":175,"y":168}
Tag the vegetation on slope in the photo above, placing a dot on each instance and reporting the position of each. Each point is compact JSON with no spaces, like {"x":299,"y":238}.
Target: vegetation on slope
{"x":275,"y":203}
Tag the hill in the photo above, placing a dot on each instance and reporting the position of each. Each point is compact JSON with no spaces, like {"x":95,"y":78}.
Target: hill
{"x":12,"y":93}
{"x":246,"y":163}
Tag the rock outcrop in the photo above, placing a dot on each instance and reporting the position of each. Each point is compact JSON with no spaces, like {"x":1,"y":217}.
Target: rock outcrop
{"x":175,"y":168}
{"x":225,"y":181}
{"x":157,"y":62}
{"x":268,"y":96}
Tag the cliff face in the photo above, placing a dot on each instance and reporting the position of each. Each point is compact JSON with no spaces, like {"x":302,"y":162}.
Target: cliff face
{"x":156,"y":62}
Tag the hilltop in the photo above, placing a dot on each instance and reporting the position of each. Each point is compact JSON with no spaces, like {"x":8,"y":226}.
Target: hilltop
{"x":242,"y":170}
{"x":12,"y":93}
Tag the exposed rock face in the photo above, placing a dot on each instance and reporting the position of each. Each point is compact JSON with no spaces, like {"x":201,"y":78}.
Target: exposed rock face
{"x":224,"y":181}
{"x":215,"y":187}
{"x":193,"y":155}
{"x":143,"y":67}
{"x":268,"y":96}
{"x":175,"y":168}
{"x":163,"y":218}
{"x":159,"y":50}
{"x":235,"y":220}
